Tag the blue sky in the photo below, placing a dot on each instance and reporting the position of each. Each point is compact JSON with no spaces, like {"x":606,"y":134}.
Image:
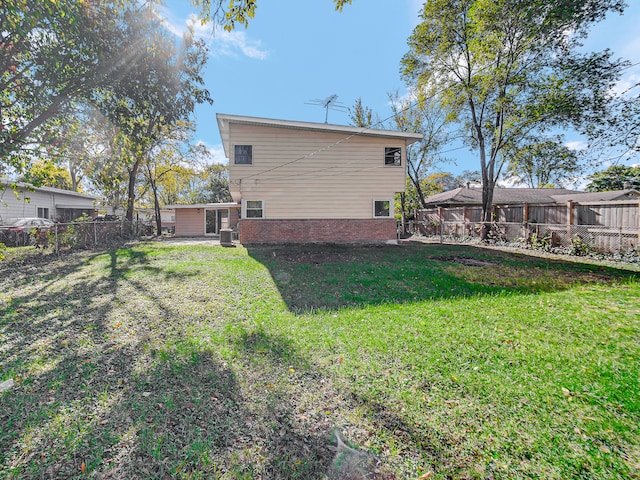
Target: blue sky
{"x":294,"y":52}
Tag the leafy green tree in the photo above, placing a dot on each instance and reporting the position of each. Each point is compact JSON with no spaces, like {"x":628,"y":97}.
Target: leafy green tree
{"x":47,"y":174}
{"x":360,"y":115}
{"x":542,"y":164}
{"x":213,"y":185}
{"x":616,"y":177}
{"x":507,"y":69}
{"x":161,"y":91}
{"x":52,"y":53}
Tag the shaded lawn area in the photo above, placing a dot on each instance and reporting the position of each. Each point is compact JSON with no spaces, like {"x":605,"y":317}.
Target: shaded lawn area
{"x":161,"y":361}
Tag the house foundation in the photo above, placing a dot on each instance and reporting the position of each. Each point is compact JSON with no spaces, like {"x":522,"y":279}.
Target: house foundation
{"x":375,"y":230}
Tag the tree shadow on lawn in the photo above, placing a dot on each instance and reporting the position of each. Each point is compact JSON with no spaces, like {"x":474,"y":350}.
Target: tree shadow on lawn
{"x":138,"y":396}
{"x":336,"y":276}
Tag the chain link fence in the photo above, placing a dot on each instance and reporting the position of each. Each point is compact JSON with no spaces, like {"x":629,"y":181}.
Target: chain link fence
{"x":76,"y":235}
{"x":575,"y":239}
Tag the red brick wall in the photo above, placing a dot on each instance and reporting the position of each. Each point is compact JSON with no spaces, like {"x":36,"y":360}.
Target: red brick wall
{"x":372,"y":230}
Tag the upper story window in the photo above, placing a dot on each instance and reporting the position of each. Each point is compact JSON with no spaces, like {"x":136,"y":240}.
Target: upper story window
{"x":243,"y":155}
{"x":393,"y":156}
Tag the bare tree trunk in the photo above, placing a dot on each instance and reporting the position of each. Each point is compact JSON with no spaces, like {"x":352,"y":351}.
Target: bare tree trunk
{"x":133,"y":175}
{"x":156,"y":206}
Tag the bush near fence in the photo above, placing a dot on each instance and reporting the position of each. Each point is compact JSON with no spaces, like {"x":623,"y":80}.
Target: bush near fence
{"x":76,"y":235}
{"x":574,"y":239}
{"x":604,"y":227}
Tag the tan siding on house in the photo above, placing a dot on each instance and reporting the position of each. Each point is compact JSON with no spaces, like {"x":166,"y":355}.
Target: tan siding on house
{"x":189,"y":222}
{"x":305,"y":174}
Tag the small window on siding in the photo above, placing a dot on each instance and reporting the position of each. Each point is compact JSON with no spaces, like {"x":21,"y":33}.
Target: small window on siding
{"x":43,"y":212}
{"x":381,"y":208}
{"x":393,"y":156}
{"x":243,"y":155}
{"x":254,"y":209}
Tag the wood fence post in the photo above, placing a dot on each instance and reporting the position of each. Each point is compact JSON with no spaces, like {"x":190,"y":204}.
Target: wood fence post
{"x":570,"y":219}
{"x":525,"y":221}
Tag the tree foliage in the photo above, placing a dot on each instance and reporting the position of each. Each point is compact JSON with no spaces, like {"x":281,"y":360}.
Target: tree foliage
{"x":542,"y":163}
{"x":52,"y":54}
{"x":616,"y":177}
{"x":47,"y":174}
{"x":618,"y":136}
{"x":427,"y":118}
{"x":360,"y":115}
{"x":237,"y":11}
{"x":507,"y":69}
{"x":161,"y":93}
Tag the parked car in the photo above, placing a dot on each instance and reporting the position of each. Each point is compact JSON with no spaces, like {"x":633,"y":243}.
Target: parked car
{"x":24,"y":231}
{"x":26,"y":224}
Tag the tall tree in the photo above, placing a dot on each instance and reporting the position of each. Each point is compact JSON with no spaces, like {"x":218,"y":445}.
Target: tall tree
{"x":542,"y":163}
{"x":510,"y":68}
{"x":423,"y":116}
{"x":162,"y":91}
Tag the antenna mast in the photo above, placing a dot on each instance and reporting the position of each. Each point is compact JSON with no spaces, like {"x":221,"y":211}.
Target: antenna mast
{"x":331,"y":102}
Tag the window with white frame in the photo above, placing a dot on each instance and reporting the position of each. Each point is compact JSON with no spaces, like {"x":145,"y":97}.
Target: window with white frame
{"x":43,"y":212}
{"x":393,"y":156}
{"x":254,"y":209}
{"x":243,"y":155}
{"x":382,"y":208}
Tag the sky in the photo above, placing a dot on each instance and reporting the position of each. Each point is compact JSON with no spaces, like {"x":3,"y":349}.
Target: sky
{"x":296,"y":52}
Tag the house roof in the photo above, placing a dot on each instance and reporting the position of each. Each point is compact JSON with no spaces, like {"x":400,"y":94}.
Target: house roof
{"x":224,"y":120}
{"x":205,"y":205}
{"x":504,"y":196}
{"x":24,"y":185}
{"x":614,"y":195}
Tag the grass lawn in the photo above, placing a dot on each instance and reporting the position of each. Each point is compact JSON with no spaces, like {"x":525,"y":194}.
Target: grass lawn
{"x":193,"y":361}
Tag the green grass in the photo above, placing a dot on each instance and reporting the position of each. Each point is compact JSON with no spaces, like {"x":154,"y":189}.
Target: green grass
{"x":167,"y":361}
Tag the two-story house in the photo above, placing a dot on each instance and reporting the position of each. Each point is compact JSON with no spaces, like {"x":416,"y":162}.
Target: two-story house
{"x":299,"y":182}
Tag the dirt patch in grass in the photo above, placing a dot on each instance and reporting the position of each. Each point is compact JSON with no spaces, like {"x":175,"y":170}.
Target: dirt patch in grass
{"x":470,"y":262}
{"x":313,"y":257}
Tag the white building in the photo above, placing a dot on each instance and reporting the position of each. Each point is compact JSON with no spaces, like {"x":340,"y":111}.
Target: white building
{"x":26,"y":201}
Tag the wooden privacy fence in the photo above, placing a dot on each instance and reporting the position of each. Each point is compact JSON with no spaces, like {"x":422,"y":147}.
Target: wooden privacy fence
{"x":602,"y":226}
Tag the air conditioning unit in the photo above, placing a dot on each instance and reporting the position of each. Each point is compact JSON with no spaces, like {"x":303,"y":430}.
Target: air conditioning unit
{"x":226,"y":239}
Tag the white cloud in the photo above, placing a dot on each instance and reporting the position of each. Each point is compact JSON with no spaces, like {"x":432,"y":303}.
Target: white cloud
{"x":216,"y":153}
{"x":225,"y":43}
{"x":627,"y":83}
{"x":577,"y":145}
{"x":221,"y":42}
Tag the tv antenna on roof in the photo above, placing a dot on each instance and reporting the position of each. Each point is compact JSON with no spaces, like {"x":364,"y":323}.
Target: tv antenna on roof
{"x":331,"y":102}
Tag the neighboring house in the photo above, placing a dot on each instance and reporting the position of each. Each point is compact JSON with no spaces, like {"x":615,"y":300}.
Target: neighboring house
{"x":466,"y":197}
{"x":300,"y":182}
{"x":205,"y":218}
{"x":148,"y":216}
{"x":43,"y":202}
{"x":536,"y":205}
